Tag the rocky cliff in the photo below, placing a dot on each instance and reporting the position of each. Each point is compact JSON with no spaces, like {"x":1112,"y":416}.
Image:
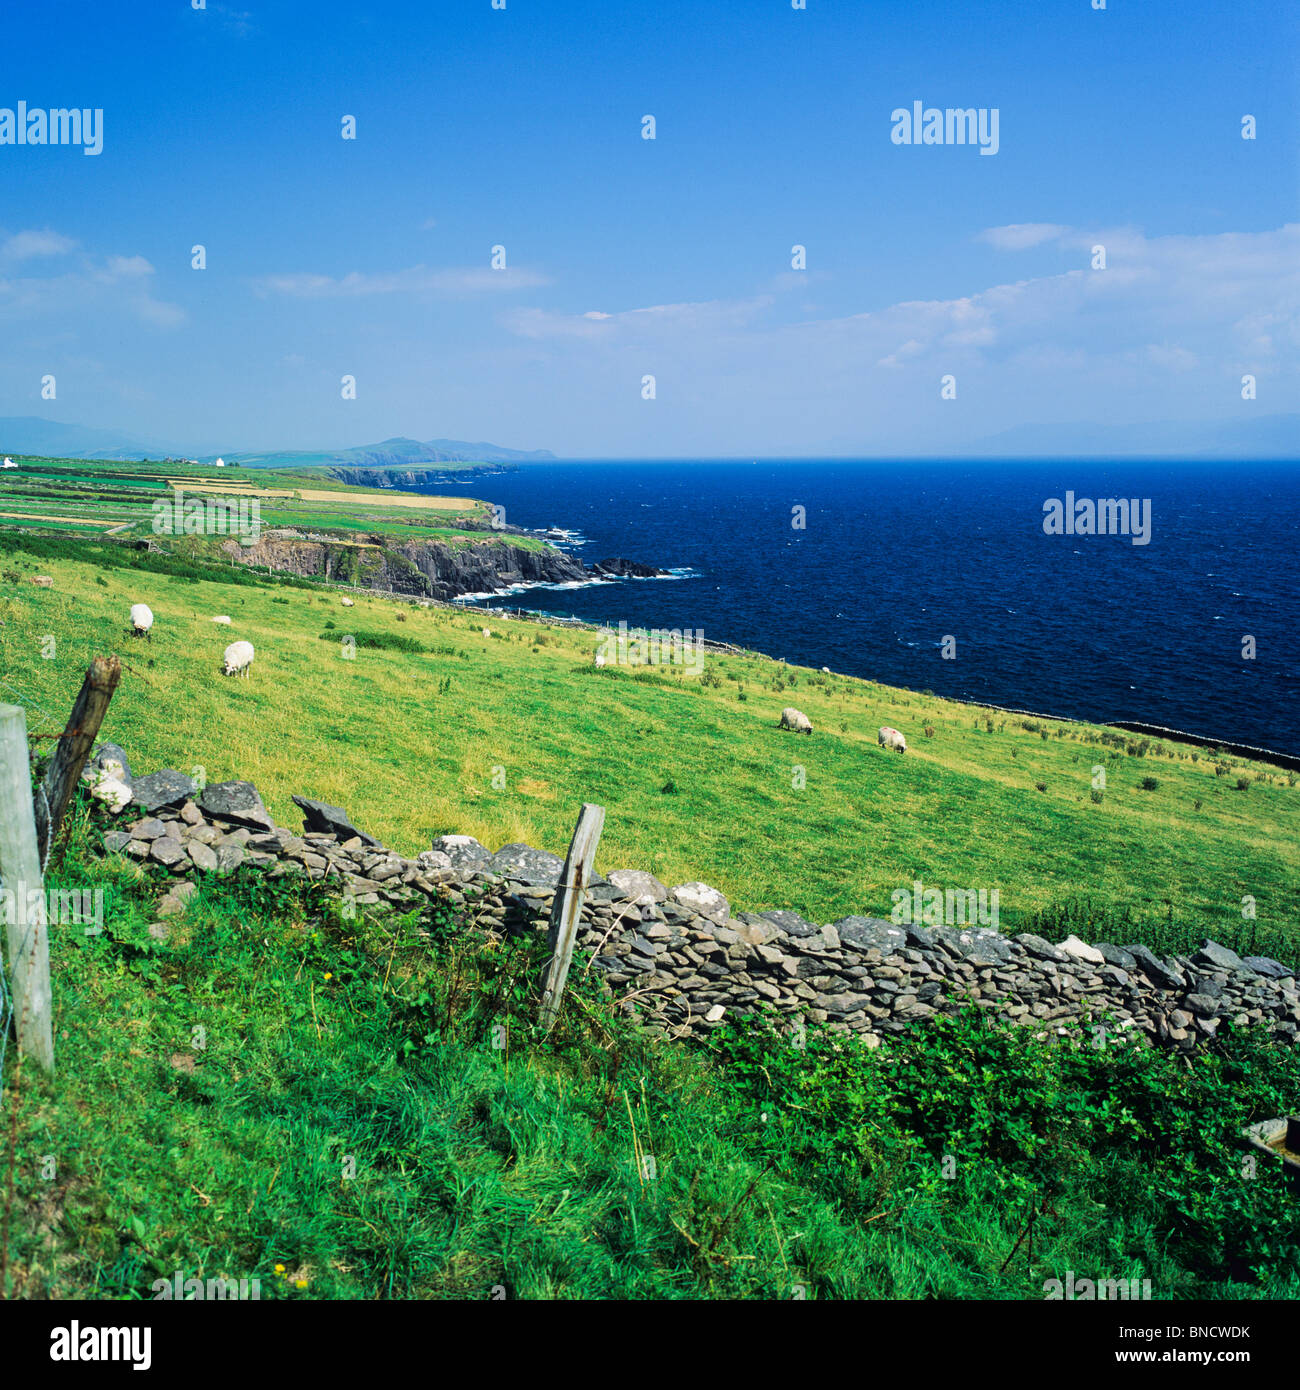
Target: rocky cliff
{"x":421,"y":569}
{"x":423,"y":476}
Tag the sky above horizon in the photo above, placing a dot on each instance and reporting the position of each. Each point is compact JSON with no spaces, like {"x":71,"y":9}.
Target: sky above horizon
{"x":670,"y":258}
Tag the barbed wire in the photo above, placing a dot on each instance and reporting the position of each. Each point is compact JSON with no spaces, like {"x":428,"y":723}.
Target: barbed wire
{"x":6,"y":1013}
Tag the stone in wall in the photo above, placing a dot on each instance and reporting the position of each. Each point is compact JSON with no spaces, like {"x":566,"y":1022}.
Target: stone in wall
{"x":693,"y":965}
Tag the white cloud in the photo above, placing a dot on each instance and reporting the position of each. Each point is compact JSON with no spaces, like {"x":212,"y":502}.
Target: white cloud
{"x":238,"y":22}
{"x":117,"y":284}
{"x":416,"y":279}
{"x":1020,"y":236}
{"x":128,"y":267}
{"x":30,"y":245}
{"x":1166,"y":330}
{"x":656,"y":322}
{"x":1198,"y":295}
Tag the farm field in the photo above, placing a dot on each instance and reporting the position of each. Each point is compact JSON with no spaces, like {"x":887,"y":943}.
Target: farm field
{"x":120,"y":498}
{"x":220,"y":487}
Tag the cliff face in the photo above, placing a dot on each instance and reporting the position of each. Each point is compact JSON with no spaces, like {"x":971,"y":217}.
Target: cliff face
{"x":422,"y":569}
{"x":394,"y":476}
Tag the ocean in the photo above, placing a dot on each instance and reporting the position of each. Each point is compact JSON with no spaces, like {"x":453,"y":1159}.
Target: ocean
{"x":887,"y":560}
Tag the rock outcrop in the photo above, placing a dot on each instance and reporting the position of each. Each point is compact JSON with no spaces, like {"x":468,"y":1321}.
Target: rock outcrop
{"x":421,"y":569}
{"x":485,"y":562}
{"x":619,"y":568}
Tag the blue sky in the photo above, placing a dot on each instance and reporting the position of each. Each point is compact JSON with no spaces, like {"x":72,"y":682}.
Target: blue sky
{"x":628,"y":257}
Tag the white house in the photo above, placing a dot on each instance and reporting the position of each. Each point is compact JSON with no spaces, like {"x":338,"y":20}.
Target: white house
{"x":220,"y":463}
{"x":9,"y":463}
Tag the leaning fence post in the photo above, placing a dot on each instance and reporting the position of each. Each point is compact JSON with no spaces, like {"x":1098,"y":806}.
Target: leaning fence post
{"x":27,"y":940}
{"x":74,"y":747}
{"x":566,"y":911}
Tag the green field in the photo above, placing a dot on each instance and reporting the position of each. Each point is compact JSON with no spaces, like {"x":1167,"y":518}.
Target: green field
{"x":320,"y":1102}
{"x":78,"y":495}
{"x":502,"y":737}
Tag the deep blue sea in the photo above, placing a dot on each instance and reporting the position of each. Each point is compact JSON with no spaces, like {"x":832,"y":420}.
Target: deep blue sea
{"x":894,"y":557}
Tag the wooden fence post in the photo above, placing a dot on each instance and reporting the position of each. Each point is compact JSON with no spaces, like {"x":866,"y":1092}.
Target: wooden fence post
{"x":26,"y":929}
{"x":74,"y":747}
{"x":566,"y":910}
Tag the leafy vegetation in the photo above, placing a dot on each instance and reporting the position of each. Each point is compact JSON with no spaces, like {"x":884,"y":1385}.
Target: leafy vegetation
{"x":363,"y":1108}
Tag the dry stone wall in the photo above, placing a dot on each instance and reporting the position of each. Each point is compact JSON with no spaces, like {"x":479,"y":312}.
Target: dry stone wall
{"x":684,"y":963}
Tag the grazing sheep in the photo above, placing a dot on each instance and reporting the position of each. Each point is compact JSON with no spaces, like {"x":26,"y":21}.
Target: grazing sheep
{"x":142,"y":620}
{"x":487,"y":632}
{"x":796,"y":720}
{"x":223,"y":619}
{"x":239,"y":657}
{"x":347,"y":603}
{"x":891,"y":738}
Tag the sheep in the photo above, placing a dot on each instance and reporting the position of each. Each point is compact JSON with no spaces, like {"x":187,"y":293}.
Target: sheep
{"x":223,"y":619}
{"x":891,"y":738}
{"x":348,"y":603}
{"x":487,"y":632}
{"x":141,"y":620}
{"x":796,"y":720}
{"x":239,"y":657}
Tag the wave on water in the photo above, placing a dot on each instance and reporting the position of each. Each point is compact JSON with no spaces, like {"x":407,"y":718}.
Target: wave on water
{"x":526,"y":584}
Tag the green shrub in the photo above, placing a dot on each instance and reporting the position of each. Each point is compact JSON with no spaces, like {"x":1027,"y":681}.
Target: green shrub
{"x":381,"y":641}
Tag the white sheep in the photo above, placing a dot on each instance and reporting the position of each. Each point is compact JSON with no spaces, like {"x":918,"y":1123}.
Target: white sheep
{"x":487,"y":632}
{"x":347,"y":603}
{"x":891,"y":739}
{"x":223,"y":619}
{"x":797,"y":720}
{"x":239,"y":657}
{"x":141,"y":620}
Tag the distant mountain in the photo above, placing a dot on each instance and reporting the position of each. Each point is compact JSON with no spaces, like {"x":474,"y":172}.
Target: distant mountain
{"x":29,"y":434}
{"x":457,"y":449}
{"x":400,"y":452}
{"x":1267,"y":436}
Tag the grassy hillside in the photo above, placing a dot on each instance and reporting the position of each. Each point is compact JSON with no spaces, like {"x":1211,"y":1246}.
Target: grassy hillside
{"x":325,"y":1105}
{"x":322,"y":1102}
{"x":435,"y":728}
